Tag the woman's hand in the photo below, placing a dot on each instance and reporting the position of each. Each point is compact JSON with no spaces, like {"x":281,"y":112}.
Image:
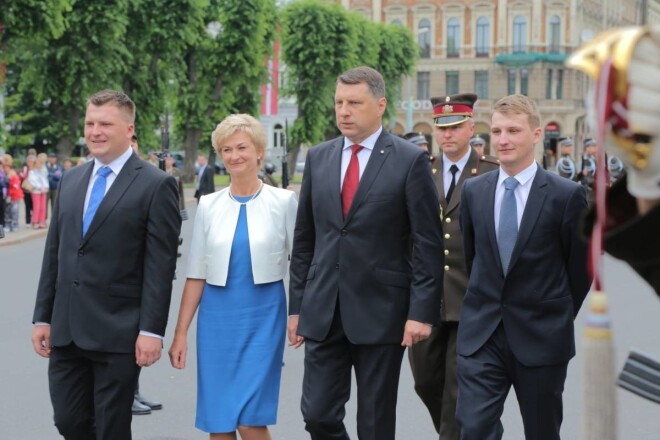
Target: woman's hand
{"x":178,"y":352}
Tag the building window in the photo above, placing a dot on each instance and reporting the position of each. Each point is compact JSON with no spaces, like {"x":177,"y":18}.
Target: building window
{"x":481,"y":83}
{"x":451,"y":80}
{"x":524,"y":82}
{"x":554,"y":35}
{"x":560,"y":84}
{"x":423,"y":85}
{"x":519,"y":34}
{"x":483,"y":37}
{"x":278,"y":136}
{"x":548,"y":85}
{"x":424,"y":38}
{"x":453,"y":37}
{"x":397,"y":21}
{"x":511,"y":83}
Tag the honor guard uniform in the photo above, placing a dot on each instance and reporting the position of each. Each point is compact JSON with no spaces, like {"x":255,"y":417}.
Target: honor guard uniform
{"x":420,"y":140}
{"x":565,"y":164}
{"x":478,"y":144}
{"x":433,"y":361}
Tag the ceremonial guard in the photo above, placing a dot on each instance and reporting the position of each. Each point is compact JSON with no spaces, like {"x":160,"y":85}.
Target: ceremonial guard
{"x":433,"y":362}
{"x":478,"y":144}
{"x":420,"y":140}
{"x":566,"y":164}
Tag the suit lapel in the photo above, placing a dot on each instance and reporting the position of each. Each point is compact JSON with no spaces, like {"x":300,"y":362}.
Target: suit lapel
{"x":334,"y":168}
{"x":123,"y":181}
{"x":489,"y":213}
{"x":378,"y":156}
{"x":80,"y":192}
{"x":535,"y":201}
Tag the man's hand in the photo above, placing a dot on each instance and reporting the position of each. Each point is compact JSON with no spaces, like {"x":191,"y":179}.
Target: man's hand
{"x":178,"y":352}
{"x":295,"y":340}
{"x":41,"y":340}
{"x":414,"y":332}
{"x":147,"y":350}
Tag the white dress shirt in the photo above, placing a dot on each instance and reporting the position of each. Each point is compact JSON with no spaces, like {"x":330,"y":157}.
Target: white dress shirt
{"x":363,"y":155}
{"x":446,"y":164}
{"x":116,"y":166}
{"x":525,"y":179}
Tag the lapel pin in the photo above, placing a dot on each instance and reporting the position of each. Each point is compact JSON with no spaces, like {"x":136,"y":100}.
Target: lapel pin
{"x":382,"y":151}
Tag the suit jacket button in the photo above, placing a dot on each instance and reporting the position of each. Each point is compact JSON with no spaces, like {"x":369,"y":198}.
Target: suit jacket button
{"x":337,"y":266}
{"x":76,"y":283}
{"x":344,"y":232}
{"x":447,"y":236}
{"x":81,"y":253}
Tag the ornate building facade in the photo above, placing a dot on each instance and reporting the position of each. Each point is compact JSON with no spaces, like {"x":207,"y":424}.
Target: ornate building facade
{"x":498,"y":47}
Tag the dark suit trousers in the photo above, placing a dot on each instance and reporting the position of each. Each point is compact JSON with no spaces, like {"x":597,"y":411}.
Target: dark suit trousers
{"x":92,"y":393}
{"x":433,"y":366}
{"x":327,"y":386}
{"x":484,"y":381}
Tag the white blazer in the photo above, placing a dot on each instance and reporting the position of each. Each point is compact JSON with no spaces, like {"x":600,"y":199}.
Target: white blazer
{"x":271,"y":217}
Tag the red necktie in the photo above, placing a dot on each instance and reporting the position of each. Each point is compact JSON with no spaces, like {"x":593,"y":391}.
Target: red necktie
{"x":351,"y":180}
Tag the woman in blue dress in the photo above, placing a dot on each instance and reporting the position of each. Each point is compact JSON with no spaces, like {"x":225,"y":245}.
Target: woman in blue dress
{"x":238,"y":259}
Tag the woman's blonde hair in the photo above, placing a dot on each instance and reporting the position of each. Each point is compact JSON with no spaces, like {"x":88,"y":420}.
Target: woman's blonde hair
{"x":240,"y":122}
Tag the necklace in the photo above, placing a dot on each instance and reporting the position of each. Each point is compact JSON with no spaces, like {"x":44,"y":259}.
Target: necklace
{"x":254,"y":196}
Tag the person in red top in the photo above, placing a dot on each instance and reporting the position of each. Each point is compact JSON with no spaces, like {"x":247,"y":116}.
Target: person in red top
{"x":14,"y":194}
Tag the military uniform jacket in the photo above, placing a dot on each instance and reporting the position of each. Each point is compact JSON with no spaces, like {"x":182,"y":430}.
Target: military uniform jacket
{"x":456,"y":278}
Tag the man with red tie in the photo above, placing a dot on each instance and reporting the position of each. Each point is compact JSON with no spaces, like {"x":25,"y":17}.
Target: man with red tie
{"x":366,"y":266}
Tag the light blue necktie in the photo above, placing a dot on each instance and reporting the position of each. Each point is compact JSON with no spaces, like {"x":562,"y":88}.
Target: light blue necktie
{"x":95,"y":198}
{"x":508,"y":228}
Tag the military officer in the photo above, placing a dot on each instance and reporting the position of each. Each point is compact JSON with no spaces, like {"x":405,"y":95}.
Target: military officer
{"x":433,"y":362}
{"x":420,"y":140}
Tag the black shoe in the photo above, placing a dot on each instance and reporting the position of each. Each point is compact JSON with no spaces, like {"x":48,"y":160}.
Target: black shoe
{"x":151,"y":404}
{"x":139,"y":409}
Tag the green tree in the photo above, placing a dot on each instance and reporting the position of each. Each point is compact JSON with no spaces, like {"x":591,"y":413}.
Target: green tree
{"x":158,"y":34}
{"x":58,"y":70}
{"x":319,"y":42}
{"x":223,"y":69}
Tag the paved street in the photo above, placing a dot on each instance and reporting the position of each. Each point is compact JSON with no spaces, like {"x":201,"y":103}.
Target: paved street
{"x":27,"y":414}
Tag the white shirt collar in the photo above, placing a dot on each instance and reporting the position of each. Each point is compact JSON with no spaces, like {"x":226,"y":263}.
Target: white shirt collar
{"x":522,"y":177}
{"x":116,"y":165}
{"x":447,"y":163}
{"x":368,"y":143}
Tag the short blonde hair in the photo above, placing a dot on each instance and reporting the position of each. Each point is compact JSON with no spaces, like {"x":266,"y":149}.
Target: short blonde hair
{"x":520,"y":105}
{"x":240,"y":122}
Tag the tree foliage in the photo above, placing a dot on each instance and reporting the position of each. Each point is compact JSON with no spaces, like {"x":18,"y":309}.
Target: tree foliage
{"x":319,"y":42}
{"x":223,"y":68}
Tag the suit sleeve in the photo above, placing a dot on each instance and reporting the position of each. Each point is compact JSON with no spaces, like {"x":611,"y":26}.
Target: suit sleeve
{"x":467,"y":229}
{"x":304,"y":238}
{"x":160,"y":254}
{"x":423,"y":208}
{"x":43,"y":310}
{"x":575,"y":249}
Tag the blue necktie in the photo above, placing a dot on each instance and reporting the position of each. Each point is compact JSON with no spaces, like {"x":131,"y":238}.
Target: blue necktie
{"x":95,"y":198}
{"x":508,"y":227}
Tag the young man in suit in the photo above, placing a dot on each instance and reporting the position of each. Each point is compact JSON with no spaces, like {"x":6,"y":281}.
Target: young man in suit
{"x":433,"y":362}
{"x":104,"y":293}
{"x":205,"y":175}
{"x":366,"y":267}
{"x":527,"y":280}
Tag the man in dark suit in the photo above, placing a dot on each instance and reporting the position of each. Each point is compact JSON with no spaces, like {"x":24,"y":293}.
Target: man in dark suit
{"x":527,"y":280}
{"x":433,"y":361}
{"x":104,"y":293}
{"x":366,"y":266}
{"x":205,"y":175}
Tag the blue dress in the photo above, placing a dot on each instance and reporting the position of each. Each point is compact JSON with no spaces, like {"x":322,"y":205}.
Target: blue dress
{"x":240,"y":344}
